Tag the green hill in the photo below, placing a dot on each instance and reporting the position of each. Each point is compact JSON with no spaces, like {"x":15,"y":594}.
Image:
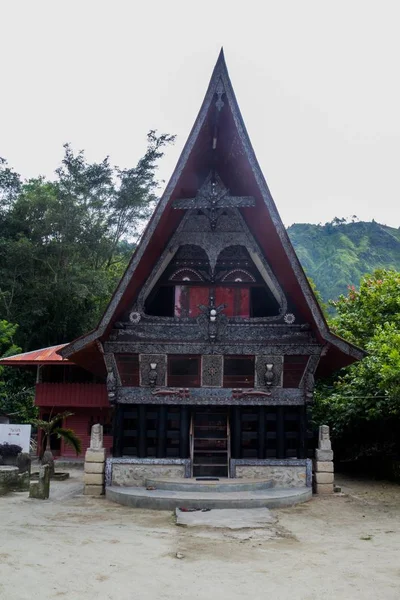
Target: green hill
{"x":337,"y":254}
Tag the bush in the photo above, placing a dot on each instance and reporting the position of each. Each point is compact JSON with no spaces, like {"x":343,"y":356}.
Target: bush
{"x":361,"y":403}
{"x":9,"y":450}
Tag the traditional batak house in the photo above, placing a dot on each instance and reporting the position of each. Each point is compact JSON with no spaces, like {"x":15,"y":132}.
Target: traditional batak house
{"x":212,"y":341}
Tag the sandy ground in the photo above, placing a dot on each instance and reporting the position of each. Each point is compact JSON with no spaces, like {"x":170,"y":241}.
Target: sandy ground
{"x":81,"y":548}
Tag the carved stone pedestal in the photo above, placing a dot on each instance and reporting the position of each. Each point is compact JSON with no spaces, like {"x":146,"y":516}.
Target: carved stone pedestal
{"x":95,"y":459}
{"x":323,"y":463}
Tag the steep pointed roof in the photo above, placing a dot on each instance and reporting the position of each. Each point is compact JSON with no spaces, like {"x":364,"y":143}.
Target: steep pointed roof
{"x":219,"y":140}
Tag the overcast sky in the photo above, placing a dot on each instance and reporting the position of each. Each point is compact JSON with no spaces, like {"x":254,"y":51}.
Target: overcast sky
{"x":317,"y":83}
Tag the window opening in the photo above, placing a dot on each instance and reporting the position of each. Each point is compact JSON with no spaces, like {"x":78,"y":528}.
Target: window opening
{"x":293,"y":369}
{"x":184,"y":371}
{"x":239,"y":371}
{"x":128,"y":368}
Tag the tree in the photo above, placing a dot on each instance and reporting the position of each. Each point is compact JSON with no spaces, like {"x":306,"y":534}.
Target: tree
{"x":63,"y":243}
{"x":52,"y":428}
{"x":10,"y":185}
{"x":362,"y":312}
{"x":16,"y":391}
{"x":362,"y":403}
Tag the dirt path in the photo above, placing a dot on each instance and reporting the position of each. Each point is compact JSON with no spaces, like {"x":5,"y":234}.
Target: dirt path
{"x":81,"y":548}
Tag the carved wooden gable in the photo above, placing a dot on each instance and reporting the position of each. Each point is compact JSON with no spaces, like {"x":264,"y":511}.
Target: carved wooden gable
{"x":215,"y":273}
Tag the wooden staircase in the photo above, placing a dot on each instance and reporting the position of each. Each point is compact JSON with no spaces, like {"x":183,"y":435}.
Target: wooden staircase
{"x":210,"y":442}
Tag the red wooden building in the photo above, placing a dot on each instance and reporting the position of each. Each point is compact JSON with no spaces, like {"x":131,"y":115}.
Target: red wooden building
{"x":62,"y":386}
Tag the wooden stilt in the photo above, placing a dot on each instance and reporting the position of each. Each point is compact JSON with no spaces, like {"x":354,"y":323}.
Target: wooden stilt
{"x":280,"y":432}
{"x":162,"y":432}
{"x":237,"y":433}
{"x":184,"y":433}
{"x":261,"y":432}
{"x":118,"y":430}
{"x":142,"y":431}
{"x":302,"y":450}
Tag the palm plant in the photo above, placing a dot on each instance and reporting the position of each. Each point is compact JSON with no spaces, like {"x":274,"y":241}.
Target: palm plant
{"x":52,"y":427}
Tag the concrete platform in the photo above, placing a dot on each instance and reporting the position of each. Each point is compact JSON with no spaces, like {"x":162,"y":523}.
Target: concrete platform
{"x":227,"y":518}
{"x":139,"y":497}
{"x":223,"y":484}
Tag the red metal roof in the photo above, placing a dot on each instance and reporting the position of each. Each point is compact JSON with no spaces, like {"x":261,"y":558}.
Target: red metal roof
{"x":36,"y":357}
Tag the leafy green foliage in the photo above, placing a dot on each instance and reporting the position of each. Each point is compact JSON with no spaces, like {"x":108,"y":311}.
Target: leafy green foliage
{"x":16,"y":391}
{"x":7,"y":331}
{"x":339,"y":253}
{"x":51,"y":427}
{"x":363,"y":312}
{"x":69,"y":437}
{"x":362,"y":404}
{"x":9,"y":450}
{"x":63,"y":243}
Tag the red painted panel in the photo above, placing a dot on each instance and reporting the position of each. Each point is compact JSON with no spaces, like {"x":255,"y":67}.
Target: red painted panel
{"x":188,"y":298}
{"x":81,"y":422}
{"x":237,"y":300}
{"x":71,"y":394}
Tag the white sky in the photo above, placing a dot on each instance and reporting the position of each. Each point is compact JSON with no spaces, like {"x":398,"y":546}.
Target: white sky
{"x":317,"y":83}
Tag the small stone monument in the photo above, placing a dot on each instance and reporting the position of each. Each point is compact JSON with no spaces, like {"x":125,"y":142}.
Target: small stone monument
{"x":24,"y":462}
{"x":323,"y":463}
{"x":96,"y":437}
{"x":41,"y":489}
{"x":24,"y":469}
{"x":95,"y":458}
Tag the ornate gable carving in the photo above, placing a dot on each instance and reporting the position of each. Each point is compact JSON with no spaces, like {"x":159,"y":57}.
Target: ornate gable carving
{"x":199,"y":236}
{"x":268,"y":371}
{"x":153,"y":370}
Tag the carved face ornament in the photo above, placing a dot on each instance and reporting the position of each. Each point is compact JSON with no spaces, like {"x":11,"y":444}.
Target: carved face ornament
{"x":269,"y":375}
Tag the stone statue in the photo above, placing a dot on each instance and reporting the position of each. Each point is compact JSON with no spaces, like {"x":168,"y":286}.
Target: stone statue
{"x":111,"y":383}
{"x":309,"y":386}
{"x":324,"y":441}
{"x":24,"y":462}
{"x":96,"y":437}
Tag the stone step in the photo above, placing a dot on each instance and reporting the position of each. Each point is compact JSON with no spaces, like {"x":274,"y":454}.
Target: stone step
{"x":223,"y":484}
{"x":139,"y":497}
